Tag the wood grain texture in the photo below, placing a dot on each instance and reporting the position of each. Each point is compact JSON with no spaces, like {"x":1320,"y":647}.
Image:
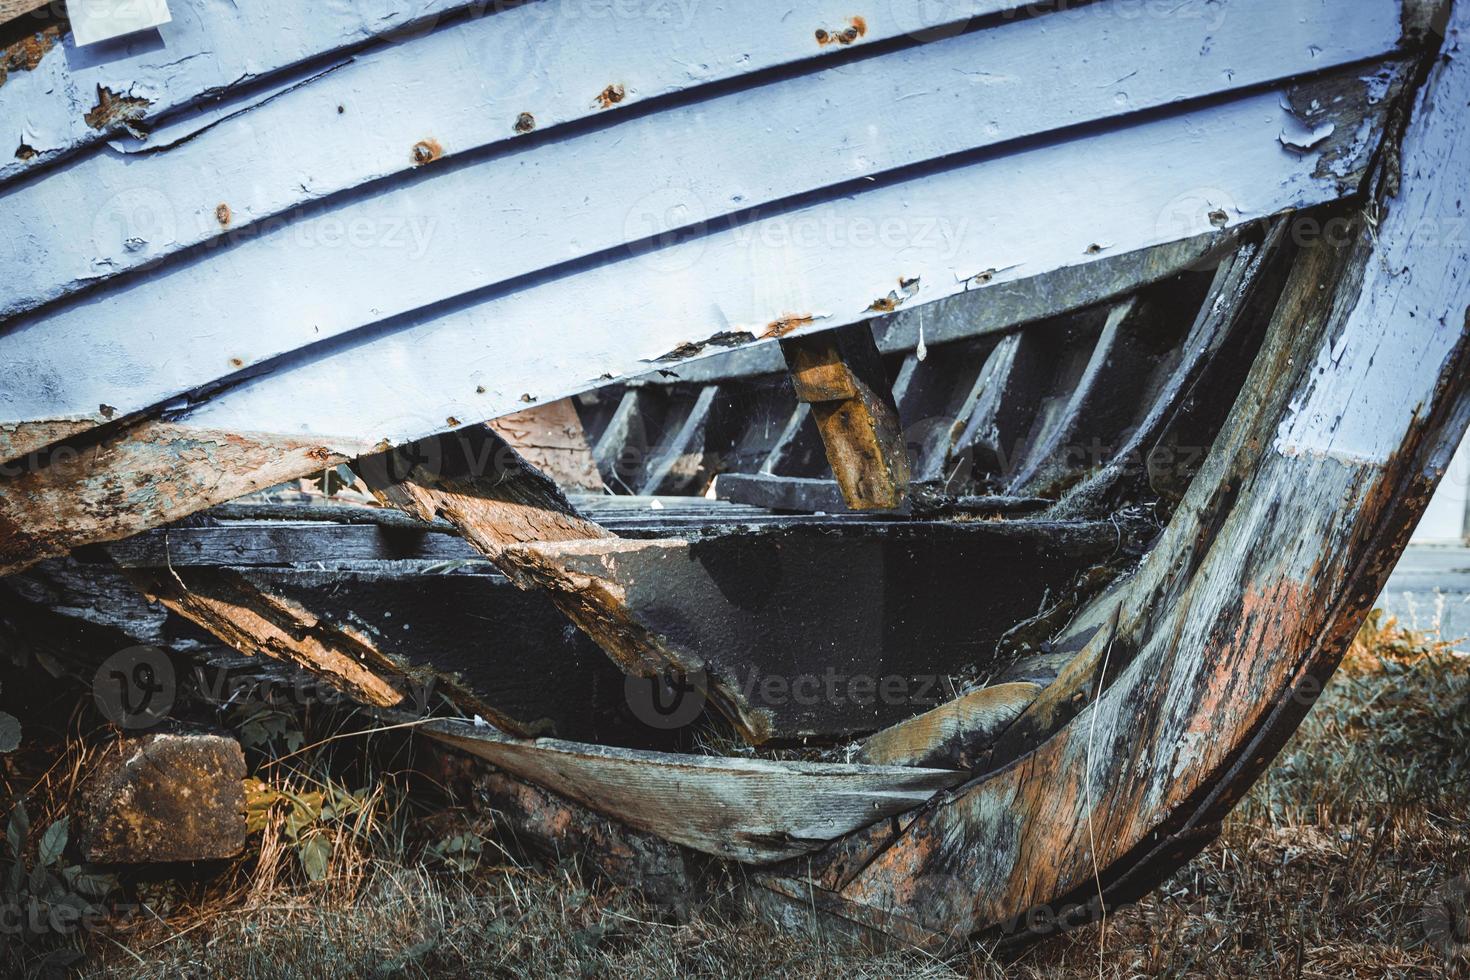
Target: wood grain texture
{"x":475,"y":480}
{"x":841,"y":375}
{"x":953,"y":735}
{"x":139,"y":478}
{"x":550,"y":438}
{"x":407,"y":93}
{"x":11,"y":9}
{"x":749,"y":810}
{"x":258,"y":623}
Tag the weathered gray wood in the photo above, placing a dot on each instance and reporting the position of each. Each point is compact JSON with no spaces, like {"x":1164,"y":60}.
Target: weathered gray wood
{"x":750,"y":810}
{"x":954,"y":735}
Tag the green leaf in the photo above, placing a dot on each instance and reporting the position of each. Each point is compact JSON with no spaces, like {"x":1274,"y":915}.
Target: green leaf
{"x":9,"y":733}
{"x":53,"y":842}
{"x":18,"y":830}
{"x":314,"y":854}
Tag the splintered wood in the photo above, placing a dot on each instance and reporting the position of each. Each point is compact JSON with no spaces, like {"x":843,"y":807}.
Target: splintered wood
{"x":839,"y":373}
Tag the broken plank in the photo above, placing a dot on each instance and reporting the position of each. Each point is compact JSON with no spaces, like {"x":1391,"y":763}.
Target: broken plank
{"x":139,"y":478}
{"x":476,"y":481}
{"x":841,"y":375}
{"x":755,"y":811}
{"x":258,"y":623}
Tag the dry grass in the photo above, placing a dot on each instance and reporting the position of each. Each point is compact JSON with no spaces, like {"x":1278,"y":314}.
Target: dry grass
{"x":1335,"y":866}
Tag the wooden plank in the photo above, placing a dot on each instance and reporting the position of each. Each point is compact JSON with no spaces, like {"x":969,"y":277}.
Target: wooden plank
{"x":550,"y":438}
{"x":257,"y":623}
{"x":150,"y":475}
{"x":794,"y":493}
{"x":998,"y":307}
{"x":840,"y":374}
{"x":477,"y":482}
{"x":754,"y":811}
{"x":11,"y":9}
{"x":560,"y":61}
{"x":426,"y":223}
{"x":419,"y":92}
{"x":954,"y":735}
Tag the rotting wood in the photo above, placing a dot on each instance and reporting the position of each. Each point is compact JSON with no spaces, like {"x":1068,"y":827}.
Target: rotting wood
{"x":11,"y":9}
{"x":476,"y":481}
{"x":140,"y":477}
{"x":550,"y":438}
{"x":953,"y":735}
{"x":754,"y":811}
{"x":255,"y":622}
{"x":840,"y":375}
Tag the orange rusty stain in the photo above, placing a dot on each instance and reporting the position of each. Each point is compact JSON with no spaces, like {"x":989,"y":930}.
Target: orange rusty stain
{"x":525,"y":122}
{"x":25,"y":152}
{"x":786,"y":324}
{"x":426,"y":151}
{"x":26,"y":54}
{"x":222,"y":214}
{"x":236,"y":362}
{"x":452,"y":421}
{"x":856,"y":28}
{"x":611,"y":96}
{"x":117,"y":109}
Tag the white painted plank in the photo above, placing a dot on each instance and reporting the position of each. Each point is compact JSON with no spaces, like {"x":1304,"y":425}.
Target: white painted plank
{"x":396,"y":252}
{"x":481,"y":359}
{"x":214,"y":47}
{"x":127,"y":210}
{"x":752,"y":810}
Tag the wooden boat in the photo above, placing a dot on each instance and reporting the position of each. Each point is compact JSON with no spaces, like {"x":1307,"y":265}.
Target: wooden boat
{"x":1014,"y":407}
